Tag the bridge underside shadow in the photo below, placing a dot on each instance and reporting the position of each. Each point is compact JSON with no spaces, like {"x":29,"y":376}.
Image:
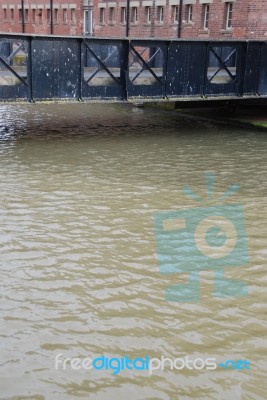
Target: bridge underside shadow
{"x":38,"y":68}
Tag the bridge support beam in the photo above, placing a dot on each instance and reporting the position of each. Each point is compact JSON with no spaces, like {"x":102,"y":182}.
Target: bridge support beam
{"x":53,"y":68}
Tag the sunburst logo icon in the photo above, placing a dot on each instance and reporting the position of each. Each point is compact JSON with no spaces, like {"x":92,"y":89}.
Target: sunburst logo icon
{"x":207,"y":237}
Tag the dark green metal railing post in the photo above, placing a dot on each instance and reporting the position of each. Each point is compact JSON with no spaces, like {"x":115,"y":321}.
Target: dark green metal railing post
{"x":51,"y":18}
{"x":180,"y":19}
{"x":22,"y":17}
{"x":128,"y":18}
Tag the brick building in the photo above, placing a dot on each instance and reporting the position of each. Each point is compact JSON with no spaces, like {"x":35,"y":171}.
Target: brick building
{"x":219,"y":19}
{"x":66,"y":17}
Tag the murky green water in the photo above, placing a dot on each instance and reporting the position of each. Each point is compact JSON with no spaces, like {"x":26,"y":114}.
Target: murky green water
{"x":79,"y":185}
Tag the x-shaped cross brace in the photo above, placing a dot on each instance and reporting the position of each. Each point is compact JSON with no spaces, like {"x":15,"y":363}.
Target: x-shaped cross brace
{"x":223,"y":64}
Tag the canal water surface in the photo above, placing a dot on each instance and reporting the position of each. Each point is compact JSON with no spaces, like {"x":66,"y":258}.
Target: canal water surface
{"x":80,"y":274}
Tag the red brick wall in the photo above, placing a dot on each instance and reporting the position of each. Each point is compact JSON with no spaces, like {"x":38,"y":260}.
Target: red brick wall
{"x":256,"y":27}
{"x":41,"y":25}
{"x":249,"y":19}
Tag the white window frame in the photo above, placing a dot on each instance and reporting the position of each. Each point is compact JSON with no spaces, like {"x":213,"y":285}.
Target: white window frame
{"x":26,"y":15}
{"x":229,"y":15}
{"x":206,"y":16}
{"x":88,"y":21}
{"x":148,"y":14}
{"x":160,"y":14}
{"x":175,"y":14}
{"x":123,"y":15}
{"x":189,"y":13}
{"x":102,"y":15}
{"x":85,"y":21}
{"x":65,"y":15}
{"x":134,"y":15}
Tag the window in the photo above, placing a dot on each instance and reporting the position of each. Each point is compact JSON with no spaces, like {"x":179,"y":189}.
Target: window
{"x":111,"y":14}
{"x":189,"y":13}
{"x":175,"y":13}
{"x":229,"y":15}
{"x":134,"y":15}
{"x":20,"y":15}
{"x":72,"y":15}
{"x":4,"y":14}
{"x":148,"y":14}
{"x":102,"y":15}
{"x":65,"y":16}
{"x":86,"y":21}
{"x":26,"y":15}
{"x":33,"y":16}
{"x":55,"y":15}
{"x":206,"y":16}
{"x":12,"y":14}
{"x":40,"y":15}
{"x":123,"y":15}
{"x":160,"y":13}
{"x":48,"y":15}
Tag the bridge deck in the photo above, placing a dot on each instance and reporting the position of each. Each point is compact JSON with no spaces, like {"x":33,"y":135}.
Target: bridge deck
{"x":38,"y":68}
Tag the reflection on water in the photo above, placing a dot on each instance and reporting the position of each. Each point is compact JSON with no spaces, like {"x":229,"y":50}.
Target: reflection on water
{"x":79,"y":275}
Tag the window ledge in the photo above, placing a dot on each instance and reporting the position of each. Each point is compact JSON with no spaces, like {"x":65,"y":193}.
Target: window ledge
{"x":188,"y":24}
{"x":227,"y":31}
{"x":204,"y":31}
{"x":111,"y":23}
{"x":147,"y":24}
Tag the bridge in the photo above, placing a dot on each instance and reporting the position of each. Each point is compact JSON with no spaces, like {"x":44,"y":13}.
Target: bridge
{"x":55,"y":68}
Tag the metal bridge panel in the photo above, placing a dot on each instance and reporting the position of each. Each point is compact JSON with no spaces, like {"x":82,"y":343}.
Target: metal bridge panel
{"x":55,"y":69}
{"x":186,"y":69}
{"x":146,"y":69}
{"x":224,"y":69}
{"x":14,"y":62}
{"x":43,"y":69}
{"x":262,"y":74}
{"x":69,"y":82}
{"x":103,"y":69}
{"x":251,"y":69}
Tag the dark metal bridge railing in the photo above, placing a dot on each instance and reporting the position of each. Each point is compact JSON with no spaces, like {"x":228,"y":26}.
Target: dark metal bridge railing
{"x":37,"y":68}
